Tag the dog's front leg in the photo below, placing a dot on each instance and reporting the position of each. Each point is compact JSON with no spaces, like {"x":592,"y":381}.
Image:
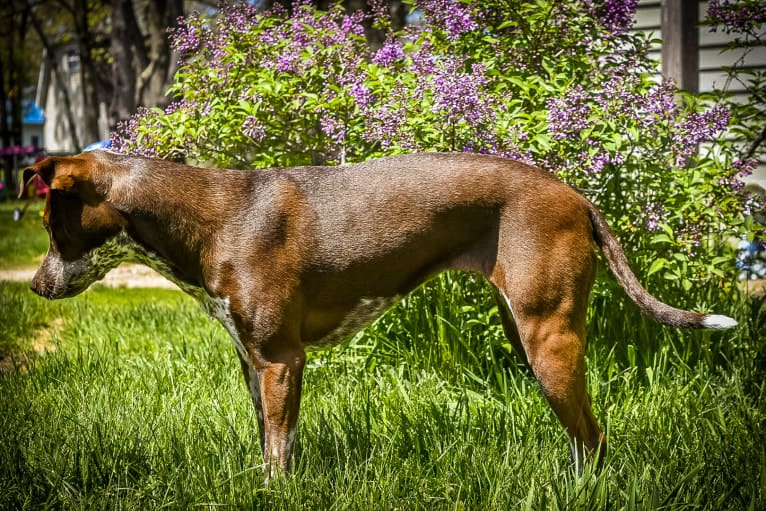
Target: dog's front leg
{"x":280,"y":382}
{"x":272,"y":359}
{"x":279,"y":376}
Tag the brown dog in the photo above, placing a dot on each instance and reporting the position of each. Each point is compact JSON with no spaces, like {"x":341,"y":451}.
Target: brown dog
{"x":291,"y":258}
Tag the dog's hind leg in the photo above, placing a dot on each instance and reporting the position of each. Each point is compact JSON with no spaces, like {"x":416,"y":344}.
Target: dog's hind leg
{"x":557,"y":359}
{"x":549,"y":311}
{"x":555,"y":351}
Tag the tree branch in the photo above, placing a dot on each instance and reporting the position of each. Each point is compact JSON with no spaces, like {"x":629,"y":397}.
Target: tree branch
{"x":756,"y":143}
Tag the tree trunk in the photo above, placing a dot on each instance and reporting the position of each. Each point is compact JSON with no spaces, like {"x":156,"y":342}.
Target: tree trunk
{"x":156,"y":77}
{"x":144,"y":64}
{"x":123,"y":50}
{"x":10,"y":89}
{"x":5,"y":132}
{"x":91,"y":102}
{"x":53,"y":62}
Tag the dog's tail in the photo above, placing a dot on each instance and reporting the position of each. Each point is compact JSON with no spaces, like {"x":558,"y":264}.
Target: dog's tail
{"x":648,"y":304}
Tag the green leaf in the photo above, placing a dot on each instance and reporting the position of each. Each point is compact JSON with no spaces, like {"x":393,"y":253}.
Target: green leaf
{"x":657,"y":265}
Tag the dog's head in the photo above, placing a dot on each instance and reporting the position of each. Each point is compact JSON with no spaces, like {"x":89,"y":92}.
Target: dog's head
{"x":84,"y":229}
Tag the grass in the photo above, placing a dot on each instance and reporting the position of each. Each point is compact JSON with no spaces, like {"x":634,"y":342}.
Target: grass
{"x":23,"y":243}
{"x":138,"y":403}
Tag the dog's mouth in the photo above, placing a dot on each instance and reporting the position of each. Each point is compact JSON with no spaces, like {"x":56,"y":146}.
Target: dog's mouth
{"x":55,"y":288}
{"x":59,"y":279}
{"x":51,"y":292}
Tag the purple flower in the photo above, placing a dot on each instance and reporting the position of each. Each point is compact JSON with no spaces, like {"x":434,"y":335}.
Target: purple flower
{"x":601,"y":159}
{"x":453,"y":16}
{"x":745,"y":168}
{"x":654,"y":215}
{"x":740,"y":170}
{"x":460,"y":95}
{"x":333,"y":128}
{"x":361,"y":94}
{"x":617,"y":92}
{"x":515,"y":153}
{"x":379,"y":10}
{"x":236,"y":18}
{"x":352,"y":24}
{"x":423,"y":59}
{"x":697,"y":128}
{"x":617,"y":16}
{"x":313,"y":38}
{"x":188,"y":36}
{"x":660,"y":102}
{"x":253,"y":128}
{"x":126,"y":134}
{"x":174,"y":106}
{"x":389,"y":53}
{"x":288,"y":62}
{"x":567,"y":116}
{"x":738,"y":16}
{"x":386,"y":120}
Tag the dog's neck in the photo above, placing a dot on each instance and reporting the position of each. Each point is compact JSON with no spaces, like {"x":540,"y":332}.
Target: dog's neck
{"x":171,"y":225}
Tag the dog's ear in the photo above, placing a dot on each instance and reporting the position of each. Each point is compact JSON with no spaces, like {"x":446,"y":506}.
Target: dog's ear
{"x":58,"y":172}
{"x":43,"y":168}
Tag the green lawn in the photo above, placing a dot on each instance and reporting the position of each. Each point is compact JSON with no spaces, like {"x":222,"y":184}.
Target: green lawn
{"x":22,"y":244}
{"x":132,"y":399}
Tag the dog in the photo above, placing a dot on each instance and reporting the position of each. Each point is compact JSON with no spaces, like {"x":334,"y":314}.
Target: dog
{"x":292,"y":258}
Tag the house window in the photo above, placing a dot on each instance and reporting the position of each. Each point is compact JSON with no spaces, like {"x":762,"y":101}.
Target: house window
{"x":72,"y":62}
{"x":35,"y":141}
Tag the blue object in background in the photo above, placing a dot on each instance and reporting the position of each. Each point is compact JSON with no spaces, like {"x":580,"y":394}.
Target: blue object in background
{"x":751,"y":259}
{"x":31,"y":113}
{"x":101,"y":144}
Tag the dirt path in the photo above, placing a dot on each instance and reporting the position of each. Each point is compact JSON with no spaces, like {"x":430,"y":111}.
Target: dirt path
{"x":126,"y":275}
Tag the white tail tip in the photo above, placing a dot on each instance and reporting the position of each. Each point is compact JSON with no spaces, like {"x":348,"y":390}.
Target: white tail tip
{"x":718,"y":322}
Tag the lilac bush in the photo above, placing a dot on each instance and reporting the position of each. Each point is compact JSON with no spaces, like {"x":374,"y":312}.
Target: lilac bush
{"x":562,"y":85}
{"x":452,"y":17}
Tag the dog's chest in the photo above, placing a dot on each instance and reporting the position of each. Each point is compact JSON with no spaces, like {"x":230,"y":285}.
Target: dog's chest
{"x":364,"y":313}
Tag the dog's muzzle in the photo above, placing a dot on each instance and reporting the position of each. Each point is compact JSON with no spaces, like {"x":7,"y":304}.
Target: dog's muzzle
{"x":58,"y":279}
